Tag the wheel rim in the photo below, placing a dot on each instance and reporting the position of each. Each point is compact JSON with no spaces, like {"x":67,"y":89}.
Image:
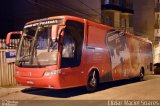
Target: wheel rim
{"x":93,"y":80}
{"x":141,"y":74}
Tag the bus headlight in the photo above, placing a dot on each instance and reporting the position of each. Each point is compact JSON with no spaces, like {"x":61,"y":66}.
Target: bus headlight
{"x":52,"y":72}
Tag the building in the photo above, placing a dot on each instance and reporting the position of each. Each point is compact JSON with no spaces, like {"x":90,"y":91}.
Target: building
{"x":147,"y":22}
{"x":157,"y":21}
{"x":141,"y":17}
{"x":118,"y":14}
{"x":157,"y":31}
{"x":144,"y":18}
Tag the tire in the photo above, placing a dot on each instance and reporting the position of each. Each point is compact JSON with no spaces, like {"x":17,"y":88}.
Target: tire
{"x":141,"y":76}
{"x":92,"y":82}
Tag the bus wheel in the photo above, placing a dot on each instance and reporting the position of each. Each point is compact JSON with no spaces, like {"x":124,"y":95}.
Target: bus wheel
{"x":92,"y":82}
{"x":141,"y":76}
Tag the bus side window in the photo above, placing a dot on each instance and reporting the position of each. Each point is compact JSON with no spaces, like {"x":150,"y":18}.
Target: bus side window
{"x":68,"y":45}
{"x":72,"y":44}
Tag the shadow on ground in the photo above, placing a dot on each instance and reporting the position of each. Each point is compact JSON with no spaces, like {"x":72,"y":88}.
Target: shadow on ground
{"x":66,"y":93}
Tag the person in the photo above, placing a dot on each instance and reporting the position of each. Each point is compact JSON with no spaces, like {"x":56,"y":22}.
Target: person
{"x":42,"y":39}
{"x":68,"y":45}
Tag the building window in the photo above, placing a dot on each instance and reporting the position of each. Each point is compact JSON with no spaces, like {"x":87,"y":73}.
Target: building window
{"x":123,"y":22}
{"x":108,"y":21}
{"x":107,"y":2}
{"x":131,"y":21}
{"x":157,"y":22}
{"x":116,"y":2}
{"x":157,"y":2}
{"x":128,"y":4}
{"x":122,"y":3}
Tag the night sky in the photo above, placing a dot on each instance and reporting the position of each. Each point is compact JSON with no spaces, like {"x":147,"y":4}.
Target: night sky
{"x":15,"y":13}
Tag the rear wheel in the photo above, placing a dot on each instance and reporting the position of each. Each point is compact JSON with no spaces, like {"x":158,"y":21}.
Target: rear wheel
{"x":92,"y":82}
{"x":141,"y":76}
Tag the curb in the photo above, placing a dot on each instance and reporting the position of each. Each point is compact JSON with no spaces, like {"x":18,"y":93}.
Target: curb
{"x":150,"y":77}
{"x":7,"y":91}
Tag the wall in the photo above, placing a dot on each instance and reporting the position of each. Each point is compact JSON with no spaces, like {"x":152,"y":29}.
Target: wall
{"x":143,"y":18}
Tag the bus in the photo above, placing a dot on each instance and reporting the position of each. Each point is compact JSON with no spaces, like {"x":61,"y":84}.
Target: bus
{"x":65,"y":51}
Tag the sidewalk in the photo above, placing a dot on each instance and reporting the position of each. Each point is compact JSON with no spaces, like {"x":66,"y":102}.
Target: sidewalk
{"x":149,"y":77}
{"x":6,"y":91}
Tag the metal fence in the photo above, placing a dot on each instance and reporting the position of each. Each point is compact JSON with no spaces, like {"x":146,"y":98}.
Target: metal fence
{"x":7,"y":70}
{"x":4,"y":46}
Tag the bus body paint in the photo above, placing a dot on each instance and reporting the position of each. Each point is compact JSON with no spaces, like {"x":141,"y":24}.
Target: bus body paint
{"x":114,"y":54}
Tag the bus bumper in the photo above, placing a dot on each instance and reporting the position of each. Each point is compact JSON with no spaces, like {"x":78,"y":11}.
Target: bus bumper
{"x":52,"y":82}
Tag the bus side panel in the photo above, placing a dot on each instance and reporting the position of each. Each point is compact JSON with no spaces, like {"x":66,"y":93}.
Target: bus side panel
{"x":135,"y":56}
{"x":119,"y":54}
{"x":141,"y":56}
{"x":146,"y":56}
{"x":97,"y":53}
{"x":149,"y":57}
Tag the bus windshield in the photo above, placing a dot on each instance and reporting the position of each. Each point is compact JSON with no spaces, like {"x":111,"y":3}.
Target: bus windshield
{"x":37,"y":48}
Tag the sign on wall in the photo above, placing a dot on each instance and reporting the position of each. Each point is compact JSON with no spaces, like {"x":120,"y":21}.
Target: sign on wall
{"x":10,"y":56}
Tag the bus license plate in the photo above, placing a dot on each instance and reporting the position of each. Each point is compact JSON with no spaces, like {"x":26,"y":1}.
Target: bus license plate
{"x":30,"y":82}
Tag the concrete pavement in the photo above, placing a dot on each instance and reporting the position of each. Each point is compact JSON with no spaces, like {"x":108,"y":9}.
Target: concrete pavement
{"x":148,"y":90}
{"x":7,"y":91}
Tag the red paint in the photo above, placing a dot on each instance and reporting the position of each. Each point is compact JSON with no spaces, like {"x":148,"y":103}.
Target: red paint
{"x":10,"y":34}
{"x":96,"y":54}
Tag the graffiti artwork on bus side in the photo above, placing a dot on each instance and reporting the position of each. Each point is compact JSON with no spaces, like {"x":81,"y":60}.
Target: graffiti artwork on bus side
{"x":119,"y":54}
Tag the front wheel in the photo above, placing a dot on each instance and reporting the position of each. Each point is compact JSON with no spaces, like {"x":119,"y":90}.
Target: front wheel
{"x":92,"y":82}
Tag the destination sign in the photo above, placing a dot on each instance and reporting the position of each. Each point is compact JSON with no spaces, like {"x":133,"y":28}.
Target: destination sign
{"x":48,"y":22}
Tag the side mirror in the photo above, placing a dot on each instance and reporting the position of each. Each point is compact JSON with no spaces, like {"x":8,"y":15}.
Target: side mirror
{"x":8,"y":37}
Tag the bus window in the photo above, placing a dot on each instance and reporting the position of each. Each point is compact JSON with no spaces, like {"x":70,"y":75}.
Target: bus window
{"x":72,"y":44}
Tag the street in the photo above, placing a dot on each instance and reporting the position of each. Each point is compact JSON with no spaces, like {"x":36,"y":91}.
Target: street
{"x":118,"y":90}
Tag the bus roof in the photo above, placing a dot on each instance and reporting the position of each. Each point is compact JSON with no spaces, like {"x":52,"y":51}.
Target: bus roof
{"x":57,"y":17}
{"x":102,"y":26}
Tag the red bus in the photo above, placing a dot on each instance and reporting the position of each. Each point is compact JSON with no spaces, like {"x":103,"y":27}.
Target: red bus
{"x":65,"y":51}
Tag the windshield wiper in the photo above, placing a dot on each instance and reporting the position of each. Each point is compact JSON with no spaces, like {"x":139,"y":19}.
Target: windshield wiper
{"x":22,"y":60}
{"x":28,"y":37}
{"x":33,"y":44}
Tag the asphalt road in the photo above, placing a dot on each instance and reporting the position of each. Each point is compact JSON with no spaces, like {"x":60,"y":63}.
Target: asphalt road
{"x":118,"y":90}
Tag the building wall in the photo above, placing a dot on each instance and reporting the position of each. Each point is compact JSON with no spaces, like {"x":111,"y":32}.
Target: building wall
{"x":126,"y":22}
{"x":147,"y":23}
{"x":118,"y":14}
{"x":143,"y":18}
{"x":157,"y":21}
{"x":157,"y":32}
